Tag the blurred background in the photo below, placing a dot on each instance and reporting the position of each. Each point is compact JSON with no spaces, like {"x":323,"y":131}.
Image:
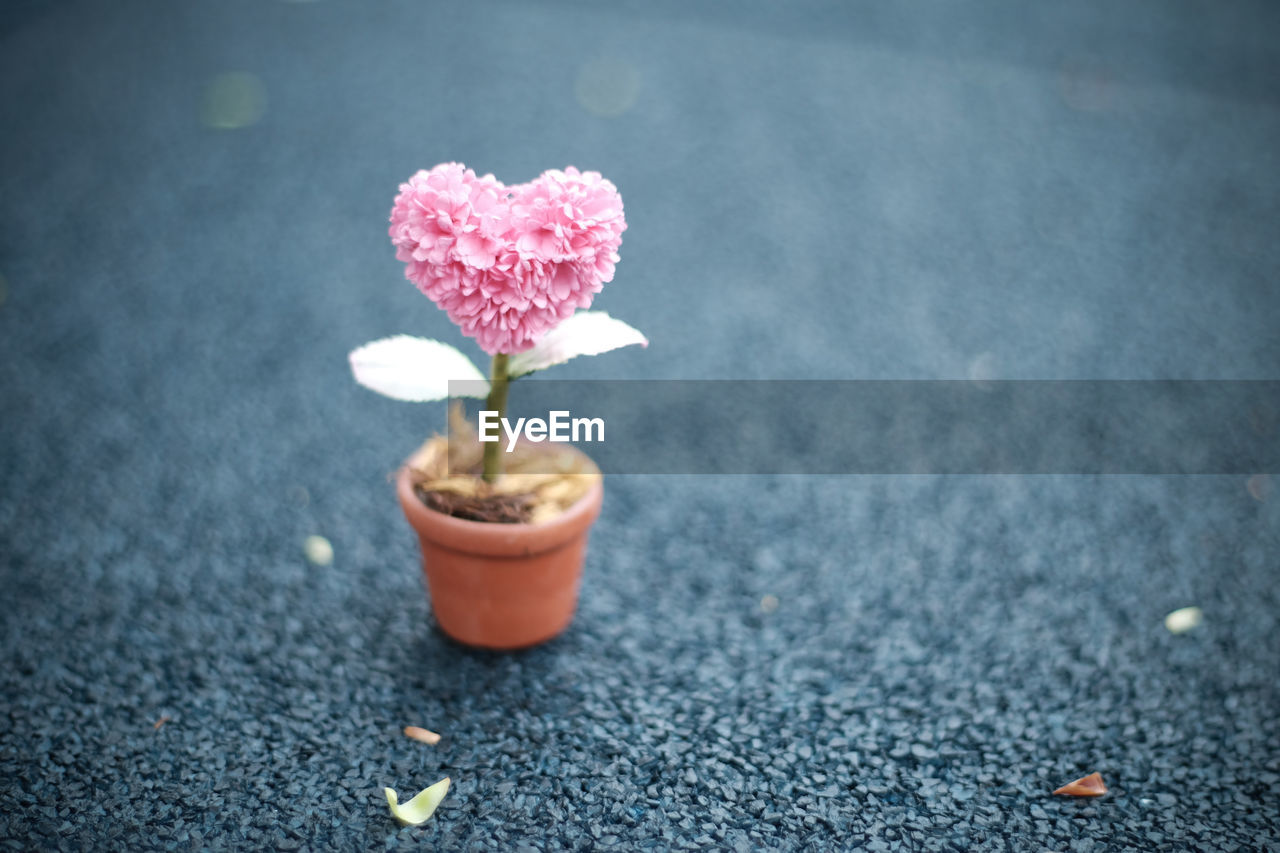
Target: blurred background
{"x":193,"y":210}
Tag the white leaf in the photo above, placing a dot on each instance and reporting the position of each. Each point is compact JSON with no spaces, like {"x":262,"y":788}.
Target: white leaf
{"x":585,"y":333}
{"x":416,"y":811}
{"x":414,"y":369}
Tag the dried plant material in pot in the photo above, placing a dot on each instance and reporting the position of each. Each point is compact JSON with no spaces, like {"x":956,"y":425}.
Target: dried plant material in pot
{"x":538,"y":484}
{"x":1086,"y":786}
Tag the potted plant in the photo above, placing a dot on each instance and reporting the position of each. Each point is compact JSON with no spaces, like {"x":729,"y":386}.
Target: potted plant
{"x":502,"y":525}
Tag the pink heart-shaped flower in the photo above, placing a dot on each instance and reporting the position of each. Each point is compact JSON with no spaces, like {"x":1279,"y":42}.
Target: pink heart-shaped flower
{"x":507,"y":263}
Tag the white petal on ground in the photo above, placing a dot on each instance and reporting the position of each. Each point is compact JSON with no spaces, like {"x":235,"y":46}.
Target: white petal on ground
{"x":1184,"y":619}
{"x":421,"y":807}
{"x":318,"y":550}
{"x":585,"y":333}
{"x":414,"y":369}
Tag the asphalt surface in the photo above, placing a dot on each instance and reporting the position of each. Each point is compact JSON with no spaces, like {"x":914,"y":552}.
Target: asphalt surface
{"x":193,"y":205}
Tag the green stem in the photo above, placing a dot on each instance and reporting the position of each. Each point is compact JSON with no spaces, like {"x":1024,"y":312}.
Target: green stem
{"x":497,"y":402}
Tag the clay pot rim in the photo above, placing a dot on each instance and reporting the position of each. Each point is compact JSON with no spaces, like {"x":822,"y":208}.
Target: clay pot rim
{"x":494,"y":539}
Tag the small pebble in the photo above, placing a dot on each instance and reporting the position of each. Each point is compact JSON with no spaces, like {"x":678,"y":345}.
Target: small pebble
{"x":1184,"y":619}
{"x":318,"y":550}
{"x":420,"y":734}
{"x":769,"y":603}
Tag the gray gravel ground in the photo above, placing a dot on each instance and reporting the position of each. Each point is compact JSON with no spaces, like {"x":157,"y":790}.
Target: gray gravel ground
{"x":833,"y":191}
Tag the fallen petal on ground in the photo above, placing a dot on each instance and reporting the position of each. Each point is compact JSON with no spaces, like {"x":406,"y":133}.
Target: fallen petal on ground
{"x":1086,"y":786}
{"x":421,"y":807}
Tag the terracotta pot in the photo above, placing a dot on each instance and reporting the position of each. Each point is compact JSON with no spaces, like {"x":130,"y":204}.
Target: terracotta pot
{"x":501,"y":586}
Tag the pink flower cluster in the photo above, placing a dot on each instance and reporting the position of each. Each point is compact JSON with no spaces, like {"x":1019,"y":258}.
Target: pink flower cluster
{"x":507,"y":263}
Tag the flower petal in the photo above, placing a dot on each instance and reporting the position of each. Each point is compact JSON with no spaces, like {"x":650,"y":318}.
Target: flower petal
{"x":585,"y":333}
{"x":421,"y":807}
{"x":414,"y":369}
{"x":420,"y":734}
{"x":1086,"y":786}
{"x":481,"y":250}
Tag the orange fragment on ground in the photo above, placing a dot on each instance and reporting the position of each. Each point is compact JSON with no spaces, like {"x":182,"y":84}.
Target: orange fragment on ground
{"x":160,"y":722}
{"x":424,"y":735}
{"x":1087,"y":786}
